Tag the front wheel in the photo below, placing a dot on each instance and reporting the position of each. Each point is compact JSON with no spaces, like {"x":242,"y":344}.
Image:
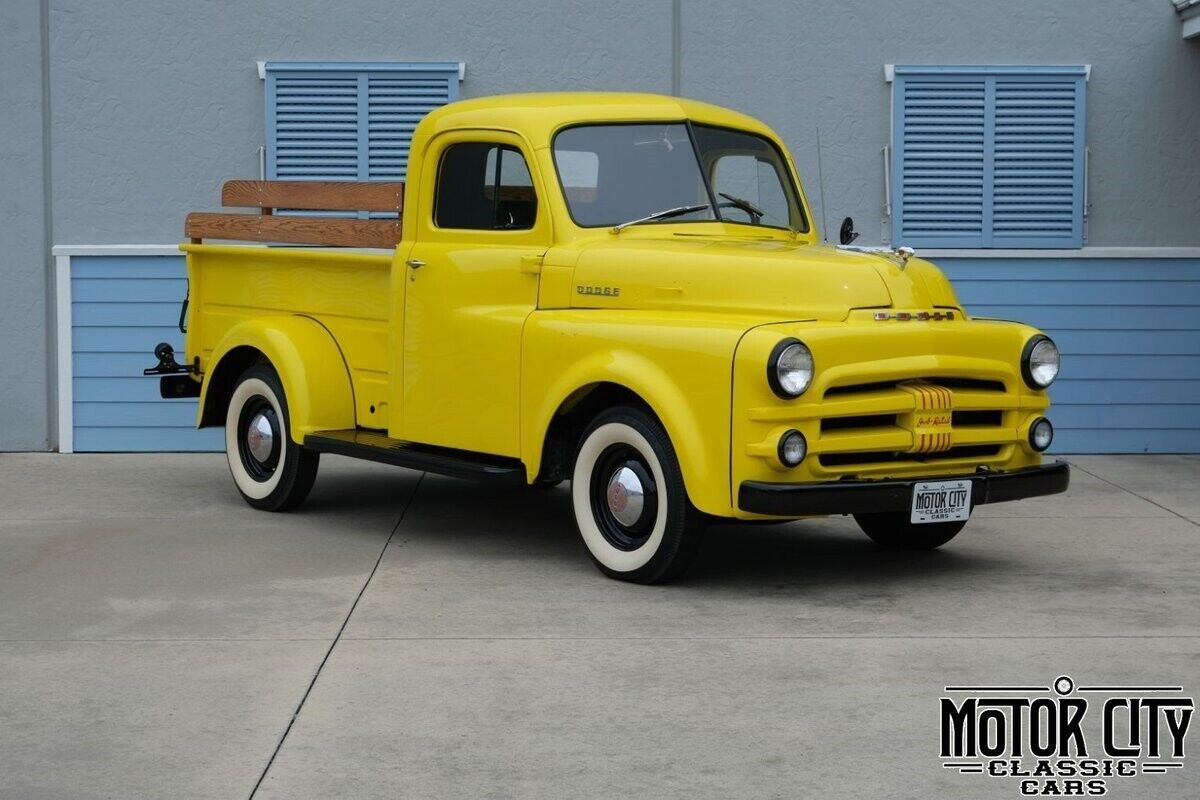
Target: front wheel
{"x":893,"y":529}
{"x":271,"y":472}
{"x":630,"y":503}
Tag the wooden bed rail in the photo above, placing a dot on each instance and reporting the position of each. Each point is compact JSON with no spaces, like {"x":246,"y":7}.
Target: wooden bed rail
{"x":266,"y":226}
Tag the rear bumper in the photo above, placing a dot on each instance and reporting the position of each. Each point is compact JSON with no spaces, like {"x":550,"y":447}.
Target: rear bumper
{"x":857,"y":497}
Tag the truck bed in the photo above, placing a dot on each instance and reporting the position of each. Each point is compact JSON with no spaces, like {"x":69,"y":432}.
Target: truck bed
{"x":346,"y":291}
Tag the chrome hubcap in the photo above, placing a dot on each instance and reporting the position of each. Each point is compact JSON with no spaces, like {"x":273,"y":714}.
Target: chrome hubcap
{"x":626,"y":497}
{"x":260,"y":440}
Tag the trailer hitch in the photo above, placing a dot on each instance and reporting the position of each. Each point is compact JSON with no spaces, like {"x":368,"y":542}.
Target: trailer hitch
{"x":168,"y":366}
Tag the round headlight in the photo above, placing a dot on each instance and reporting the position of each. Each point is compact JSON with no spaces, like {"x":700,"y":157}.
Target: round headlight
{"x":1041,"y":434}
{"x":1039,"y":362}
{"x":790,"y":369}
{"x":792,"y":448}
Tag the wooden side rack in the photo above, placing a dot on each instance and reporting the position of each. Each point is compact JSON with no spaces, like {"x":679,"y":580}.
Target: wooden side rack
{"x":269,"y":196}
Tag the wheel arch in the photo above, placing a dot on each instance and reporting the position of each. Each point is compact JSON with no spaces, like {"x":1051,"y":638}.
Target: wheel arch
{"x":626,"y":379}
{"x":571,"y":418}
{"x":310,"y":365}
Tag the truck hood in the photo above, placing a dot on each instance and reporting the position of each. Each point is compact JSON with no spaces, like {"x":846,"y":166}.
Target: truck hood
{"x":765,"y":277}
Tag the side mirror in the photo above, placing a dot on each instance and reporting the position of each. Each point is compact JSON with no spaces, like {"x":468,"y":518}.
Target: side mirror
{"x":847,"y":234}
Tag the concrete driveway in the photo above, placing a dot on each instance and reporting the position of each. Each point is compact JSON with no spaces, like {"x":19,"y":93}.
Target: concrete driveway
{"x":413,"y":636}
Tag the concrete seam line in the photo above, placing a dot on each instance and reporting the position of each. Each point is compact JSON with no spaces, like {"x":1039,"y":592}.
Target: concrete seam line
{"x":647,"y":638}
{"x":768,"y":638}
{"x":1135,"y":494}
{"x":337,"y":637}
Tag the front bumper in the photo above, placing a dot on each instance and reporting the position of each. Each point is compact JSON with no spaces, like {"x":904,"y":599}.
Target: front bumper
{"x":861,"y":497}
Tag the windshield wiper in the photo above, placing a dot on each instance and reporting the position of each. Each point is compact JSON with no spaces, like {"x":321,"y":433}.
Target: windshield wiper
{"x":678,"y":211}
{"x":745,"y":205}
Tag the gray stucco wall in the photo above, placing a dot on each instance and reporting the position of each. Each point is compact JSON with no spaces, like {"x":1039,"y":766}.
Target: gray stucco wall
{"x":800,"y":66}
{"x":24,"y":266}
{"x":154,"y":104}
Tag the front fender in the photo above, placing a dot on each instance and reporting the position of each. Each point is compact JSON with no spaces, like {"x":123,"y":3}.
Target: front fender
{"x":310,"y":365}
{"x":679,"y":366}
{"x":649,"y":382}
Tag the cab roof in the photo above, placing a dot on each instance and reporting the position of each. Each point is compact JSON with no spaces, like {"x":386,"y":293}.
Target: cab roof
{"x":538,"y":116}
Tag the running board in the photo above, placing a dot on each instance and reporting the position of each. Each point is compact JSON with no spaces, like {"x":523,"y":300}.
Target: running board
{"x":374,"y":446}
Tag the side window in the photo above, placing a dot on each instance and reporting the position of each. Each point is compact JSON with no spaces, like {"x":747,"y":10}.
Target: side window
{"x":579,"y":172}
{"x":484,"y":186}
{"x":749,"y":178}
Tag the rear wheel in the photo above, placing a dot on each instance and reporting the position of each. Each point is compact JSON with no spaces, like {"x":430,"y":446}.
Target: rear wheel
{"x":630,"y":503}
{"x":893,"y":529}
{"x":271,"y":472}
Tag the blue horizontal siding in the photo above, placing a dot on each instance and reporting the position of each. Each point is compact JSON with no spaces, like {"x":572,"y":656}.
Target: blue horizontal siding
{"x":1100,"y":342}
{"x":125,"y":338}
{"x":147,"y":440}
{"x":121,"y":307}
{"x":92,"y":364}
{"x":120,"y":290}
{"x":1087,"y":292}
{"x":1129,"y":330}
{"x":116,"y":388}
{"x":133,"y":312}
{"x":1123,"y":368}
{"x":130,"y":413}
{"x":1109,"y":440}
{"x":1151,"y":392}
{"x":1101,"y":317}
{"x":159,"y":267}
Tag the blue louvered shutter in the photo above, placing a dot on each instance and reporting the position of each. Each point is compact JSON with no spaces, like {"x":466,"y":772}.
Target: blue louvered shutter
{"x":988,"y":157}
{"x":940,"y":155}
{"x":349,"y":120}
{"x":312,"y":126}
{"x":396,"y":102}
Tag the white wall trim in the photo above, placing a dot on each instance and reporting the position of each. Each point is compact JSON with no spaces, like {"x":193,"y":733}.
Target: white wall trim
{"x":261,"y":65}
{"x":889,"y":70}
{"x":1085,"y":252}
{"x":62,"y":337}
{"x":117,"y":250}
{"x":63,"y":253}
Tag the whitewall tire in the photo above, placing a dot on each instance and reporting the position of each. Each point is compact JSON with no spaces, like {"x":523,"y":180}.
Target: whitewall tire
{"x":271,"y":472}
{"x":630,"y":503}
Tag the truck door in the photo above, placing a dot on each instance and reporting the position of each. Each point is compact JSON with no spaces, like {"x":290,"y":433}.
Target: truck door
{"x":472,"y":279}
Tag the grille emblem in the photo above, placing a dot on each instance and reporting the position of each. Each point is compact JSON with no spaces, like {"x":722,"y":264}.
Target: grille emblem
{"x":911,"y":316}
{"x":931,"y":417}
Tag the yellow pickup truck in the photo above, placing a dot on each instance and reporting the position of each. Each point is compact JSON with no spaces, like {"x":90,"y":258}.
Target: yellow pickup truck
{"x":624,"y":291}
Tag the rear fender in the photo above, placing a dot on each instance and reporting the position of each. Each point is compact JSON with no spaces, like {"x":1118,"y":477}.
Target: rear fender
{"x":309,"y":363}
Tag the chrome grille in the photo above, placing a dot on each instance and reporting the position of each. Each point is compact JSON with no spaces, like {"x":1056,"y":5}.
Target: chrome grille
{"x":924,"y":419}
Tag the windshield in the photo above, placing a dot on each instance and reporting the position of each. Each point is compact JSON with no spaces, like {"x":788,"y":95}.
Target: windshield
{"x":613,"y":174}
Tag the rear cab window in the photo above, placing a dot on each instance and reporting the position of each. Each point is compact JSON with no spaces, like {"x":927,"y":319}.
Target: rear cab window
{"x":484,"y":186}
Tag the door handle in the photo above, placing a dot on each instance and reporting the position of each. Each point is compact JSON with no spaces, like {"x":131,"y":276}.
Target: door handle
{"x":532,"y":265}
{"x":415,"y":263}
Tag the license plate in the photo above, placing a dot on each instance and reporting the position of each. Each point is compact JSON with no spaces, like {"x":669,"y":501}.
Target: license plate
{"x":940,"y":501}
